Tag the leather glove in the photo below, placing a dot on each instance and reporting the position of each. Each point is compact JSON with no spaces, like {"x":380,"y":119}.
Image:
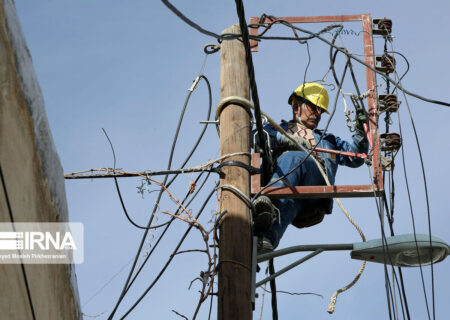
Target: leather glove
{"x":286,"y":142}
{"x":360,"y":119}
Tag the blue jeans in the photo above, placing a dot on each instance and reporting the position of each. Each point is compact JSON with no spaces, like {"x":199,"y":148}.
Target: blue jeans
{"x":306,"y":175}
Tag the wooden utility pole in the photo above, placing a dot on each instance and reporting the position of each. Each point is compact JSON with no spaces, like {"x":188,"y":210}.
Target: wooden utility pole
{"x":234,"y":300}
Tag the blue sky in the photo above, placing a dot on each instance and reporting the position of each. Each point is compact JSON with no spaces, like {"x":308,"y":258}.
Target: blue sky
{"x":126,"y":67}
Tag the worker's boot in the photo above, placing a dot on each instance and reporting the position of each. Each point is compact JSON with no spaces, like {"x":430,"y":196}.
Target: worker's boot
{"x":263,"y":215}
{"x":264,"y":245}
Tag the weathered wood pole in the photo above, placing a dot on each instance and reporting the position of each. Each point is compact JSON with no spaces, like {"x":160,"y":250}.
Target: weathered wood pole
{"x":235,"y":233}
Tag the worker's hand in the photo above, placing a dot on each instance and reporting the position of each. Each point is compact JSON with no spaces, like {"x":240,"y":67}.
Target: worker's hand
{"x":360,"y":119}
{"x":295,"y":143}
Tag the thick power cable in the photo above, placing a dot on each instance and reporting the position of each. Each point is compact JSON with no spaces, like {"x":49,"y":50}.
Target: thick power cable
{"x":273,"y":289}
{"x":267,"y":161}
{"x":165,"y":182}
{"x":22,"y":266}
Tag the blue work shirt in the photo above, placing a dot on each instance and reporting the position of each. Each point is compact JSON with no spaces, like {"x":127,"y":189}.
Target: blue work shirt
{"x":359,"y":144}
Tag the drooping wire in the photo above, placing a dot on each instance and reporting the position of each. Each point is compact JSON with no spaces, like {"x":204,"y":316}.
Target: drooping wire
{"x":125,"y":288}
{"x":412,"y":216}
{"x":118,"y":189}
{"x":424,"y":181}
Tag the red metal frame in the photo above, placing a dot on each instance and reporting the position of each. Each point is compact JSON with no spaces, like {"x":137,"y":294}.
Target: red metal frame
{"x":372,"y":135}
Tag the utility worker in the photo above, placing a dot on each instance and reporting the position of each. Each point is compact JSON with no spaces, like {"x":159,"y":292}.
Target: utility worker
{"x":309,"y":101}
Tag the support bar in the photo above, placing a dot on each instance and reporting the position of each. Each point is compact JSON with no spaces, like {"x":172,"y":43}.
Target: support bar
{"x":289,"y":267}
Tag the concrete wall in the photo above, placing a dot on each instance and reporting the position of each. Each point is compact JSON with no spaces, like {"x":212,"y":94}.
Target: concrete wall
{"x":32,"y":186}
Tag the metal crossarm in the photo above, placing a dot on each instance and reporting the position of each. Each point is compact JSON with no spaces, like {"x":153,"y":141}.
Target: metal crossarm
{"x":343,"y":191}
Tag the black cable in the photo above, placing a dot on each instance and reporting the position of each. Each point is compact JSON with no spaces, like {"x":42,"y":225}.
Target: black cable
{"x":402,"y":293}
{"x":385,"y":248}
{"x":266,"y":159}
{"x":427,"y":201}
{"x":407,"y":67}
{"x":390,"y":209}
{"x":188,"y":21}
{"x":273,"y":289}
{"x":315,"y":35}
{"x":118,"y":190}
{"x":412,"y":218}
{"x":22,"y":266}
{"x":167,"y":185}
{"x":424,"y":180}
{"x":170,"y":257}
{"x":386,"y":253}
{"x":167,"y":227}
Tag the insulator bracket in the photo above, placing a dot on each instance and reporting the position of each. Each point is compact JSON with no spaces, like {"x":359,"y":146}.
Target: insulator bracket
{"x":387,"y":63}
{"x":390,"y":141}
{"x":382,"y":26}
{"x":388,"y":103}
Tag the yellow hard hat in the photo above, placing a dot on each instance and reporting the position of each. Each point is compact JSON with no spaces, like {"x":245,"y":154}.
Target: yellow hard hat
{"x":314,"y":93}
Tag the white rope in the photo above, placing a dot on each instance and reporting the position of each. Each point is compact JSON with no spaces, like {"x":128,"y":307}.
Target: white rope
{"x":262,"y":301}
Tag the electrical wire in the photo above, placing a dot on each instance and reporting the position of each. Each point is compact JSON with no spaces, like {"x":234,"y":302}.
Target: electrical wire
{"x":390,"y":209}
{"x":385,"y":248}
{"x":273,"y":289}
{"x":166,"y":184}
{"x":412,"y":218}
{"x":395,"y":83}
{"x":170,"y":258}
{"x":167,"y":227}
{"x":314,"y":35}
{"x":425,"y":189}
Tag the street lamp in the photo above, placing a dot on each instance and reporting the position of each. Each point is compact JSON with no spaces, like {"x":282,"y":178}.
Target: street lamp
{"x":407,"y":250}
{"x":402,"y":251}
